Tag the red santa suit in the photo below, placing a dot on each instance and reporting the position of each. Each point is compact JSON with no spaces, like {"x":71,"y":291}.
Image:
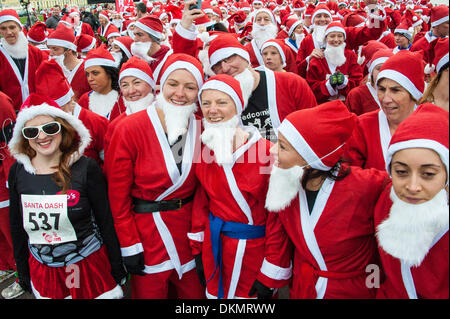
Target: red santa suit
{"x":424,"y":44}
{"x":78,"y":81}
{"x":86,"y":102}
{"x":362,"y":99}
{"x":320,"y":70}
{"x":7,"y":118}
{"x":11,"y":82}
{"x":429,"y":280}
{"x":161,"y":236}
{"x":84,"y":28}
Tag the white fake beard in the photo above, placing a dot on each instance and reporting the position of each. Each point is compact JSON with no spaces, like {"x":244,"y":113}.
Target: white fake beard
{"x":18,"y":50}
{"x":117,"y":22}
{"x":60,"y":60}
{"x":319,"y":33}
{"x":140,"y":49}
{"x":139,"y":105}
{"x":176,"y":117}
{"x":263,"y":33}
{"x":299,"y":38}
{"x":408,"y":232}
{"x":284,"y":185}
{"x":204,"y":59}
{"x":117,"y":56}
{"x":219,"y":138}
{"x":335,"y":54}
{"x":102,"y":104}
{"x":246,"y":81}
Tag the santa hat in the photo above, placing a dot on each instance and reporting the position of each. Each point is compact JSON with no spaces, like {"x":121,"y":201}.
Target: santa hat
{"x":63,"y":36}
{"x":405,"y":28}
{"x":104,"y":14}
{"x":426,"y":127}
{"x":36,"y":105}
{"x":335,"y":27}
{"x":152,"y":25}
{"x":223,"y":47}
{"x":319,"y":133}
{"x":99,"y":56}
{"x":439,"y":15}
{"x":353,"y":20}
{"x":137,"y":68}
{"x":379,"y":57}
{"x":291,"y":24}
{"x":74,"y":12}
{"x":204,"y":21}
{"x":66,"y":20}
{"x":270,"y":13}
{"x":37,"y":33}
{"x":112,"y":31}
{"x":405,"y":68}
{"x":124,"y":43}
{"x":440,"y":53}
{"x":321,"y":8}
{"x":52,"y":83}
{"x":239,"y":18}
{"x":298,"y":6}
{"x":279,"y":45}
{"x":309,"y":10}
{"x":85,"y":43}
{"x":9,"y":15}
{"x":368,"y":50}
{"x":179,"y":61}
{"x":228,"y":85}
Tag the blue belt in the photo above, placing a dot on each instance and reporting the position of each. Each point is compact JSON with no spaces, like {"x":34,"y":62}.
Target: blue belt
{"x":232,"y":230}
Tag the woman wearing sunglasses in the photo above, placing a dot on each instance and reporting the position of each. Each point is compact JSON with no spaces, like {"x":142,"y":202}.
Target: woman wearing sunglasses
{"x":59,"y":212}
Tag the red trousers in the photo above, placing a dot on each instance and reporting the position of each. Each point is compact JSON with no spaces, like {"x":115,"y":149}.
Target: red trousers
{"x":156,"y":286}
{"x":6,"y":248}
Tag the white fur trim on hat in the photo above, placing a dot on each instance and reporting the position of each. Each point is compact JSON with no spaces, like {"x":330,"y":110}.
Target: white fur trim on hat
{"x":90,"y":46}
{"x":147,"y":29}
{"x":225,"y":88}
{"x":182,"y":65}
{"x":419,"y":143}
{"x":294,"y":25}
{"x":224,"y":53}
{"x":320,"y":11}
{"x":277,"y":46}
{"x":44,"y":109}
{"x":442,"y":62}
{"x":9,"y":18}
{"x":99,"y":61}
{"x":301,"y":146}
{"x":402,"y":80}
{"x":63,"y":100}
{"x":62,"y":43}
{"x":376,"y":62}
{"x":440,"y":21}
{"x":137,"y":73}
{"x":123,"y":48}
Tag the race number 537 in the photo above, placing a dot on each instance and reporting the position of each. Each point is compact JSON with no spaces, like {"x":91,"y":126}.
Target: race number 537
{"x":45,"y":219}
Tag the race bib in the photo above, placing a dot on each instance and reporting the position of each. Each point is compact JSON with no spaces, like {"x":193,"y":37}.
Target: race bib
{"x":45,"y":219}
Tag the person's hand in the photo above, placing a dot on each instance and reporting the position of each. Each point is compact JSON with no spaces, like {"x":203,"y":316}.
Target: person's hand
{"x":333,"y":80}
{"x":189,"y":16}
{"x":368,"y":2}
{"x":261,"y":290}
{"x":340,"y":78}
{"x":317,"y":53}
{"x":135,"y":264}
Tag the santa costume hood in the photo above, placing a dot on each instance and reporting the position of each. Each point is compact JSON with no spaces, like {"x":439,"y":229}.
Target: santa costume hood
{"x":36,"y":105}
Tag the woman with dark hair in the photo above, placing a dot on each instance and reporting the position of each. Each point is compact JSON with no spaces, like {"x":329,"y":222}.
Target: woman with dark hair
{"x":323,"y":206}
{"x":103,"y":75}
{"x":64,"y":241}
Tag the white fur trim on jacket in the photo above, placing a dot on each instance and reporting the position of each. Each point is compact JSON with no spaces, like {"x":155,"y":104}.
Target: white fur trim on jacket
{"x":45,"y":109}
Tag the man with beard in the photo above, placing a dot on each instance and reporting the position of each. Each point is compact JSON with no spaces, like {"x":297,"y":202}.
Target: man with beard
{"x":148,"y":34}
{"x":323,"y":207}
{"x":63,"y":50}
{"x":313,"y":44}
{"x":264,"y":28}
{"x":18,"y":59}
{"x":152,"y":182}
{"x":137,"y":86}
{"x":335,"y":75}
{"x":51,"y":82}
{"x":229,"y":219}
{"x":411,"y":215}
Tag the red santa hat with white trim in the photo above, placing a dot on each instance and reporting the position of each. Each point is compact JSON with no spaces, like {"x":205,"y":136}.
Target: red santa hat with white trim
{"x":379,"y":57}
{"x":280,"y":46}
{"x":426,"y":127}
{"x":63,"y":36}
{"x":224,"y":46}
{"x":152,"y":25}
{"x":137,"y":68}
{"x":405,"y":68}
{"x":85,"y":43}
{"x":269,"y":12}
{"x":292,"y":24}
{"x":439,"y":15}
{"x":99,"y":56}
{"x":228,"y":85}
{"x":124,"y":43}
{"x":318,"y":134}
{"x":179,"y":61}
{"x":9,"y":15}
{"x":335,"y":27}
{"x":52,"y":83}
{"x":441,"y":50}
{"x":37,"y":33}
{"x":321,"y":8}
{"x":36,"y":105}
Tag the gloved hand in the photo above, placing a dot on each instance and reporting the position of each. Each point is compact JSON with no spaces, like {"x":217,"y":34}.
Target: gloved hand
{"x":119,"y":274}
{"x":333,"y":80}
{"x":340,"y":77}
{"x":135,"y":264}
{"x":199,"y":269}
{"x":262,"y":291}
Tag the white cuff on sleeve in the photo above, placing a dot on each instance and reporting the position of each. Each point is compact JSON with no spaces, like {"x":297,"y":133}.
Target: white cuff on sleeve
{"x":132,"y":250}
{"x":274,"y":272}
{"x":190,"y":34}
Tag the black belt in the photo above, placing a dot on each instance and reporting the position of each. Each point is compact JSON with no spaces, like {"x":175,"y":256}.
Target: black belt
{"x":148,"y":206}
